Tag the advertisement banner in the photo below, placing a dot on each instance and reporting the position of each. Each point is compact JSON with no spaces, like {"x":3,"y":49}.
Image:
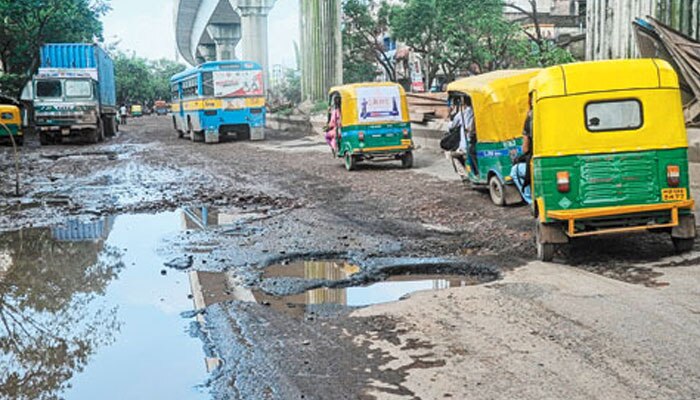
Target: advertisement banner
{"x":380,"y":103}
{"x":238,"y":83}
{"x":57,"y":73}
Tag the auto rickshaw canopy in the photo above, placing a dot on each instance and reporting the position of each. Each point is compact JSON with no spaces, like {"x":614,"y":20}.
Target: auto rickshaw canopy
{"x":386,"y":101}
{"x":563,"y":94}
{"x":499,"y":100}
{"x":10,"y":114}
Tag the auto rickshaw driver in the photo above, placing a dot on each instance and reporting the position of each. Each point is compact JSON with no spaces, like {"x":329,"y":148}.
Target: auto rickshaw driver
{"x":521,"y":164}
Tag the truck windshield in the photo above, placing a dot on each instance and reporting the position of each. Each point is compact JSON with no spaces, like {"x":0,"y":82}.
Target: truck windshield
{"x":78,"y":88}
{"x":48,"y":88}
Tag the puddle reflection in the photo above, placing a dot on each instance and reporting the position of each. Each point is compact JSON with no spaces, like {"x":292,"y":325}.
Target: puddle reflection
{"x":211,"y":288}
{"x":77,"y":323}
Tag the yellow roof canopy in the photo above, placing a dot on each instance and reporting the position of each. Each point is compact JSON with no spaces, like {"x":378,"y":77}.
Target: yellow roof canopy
{"x":499,"y":100}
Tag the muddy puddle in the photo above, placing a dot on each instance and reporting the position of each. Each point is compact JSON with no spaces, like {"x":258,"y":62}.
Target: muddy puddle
{"x":89,"y":313}
{"x":321,"y":277}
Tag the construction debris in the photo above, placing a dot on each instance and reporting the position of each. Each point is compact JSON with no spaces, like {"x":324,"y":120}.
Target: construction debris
{"x":656,"y":40}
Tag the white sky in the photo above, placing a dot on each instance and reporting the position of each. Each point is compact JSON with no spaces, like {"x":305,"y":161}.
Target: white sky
{"x":146,"y":27}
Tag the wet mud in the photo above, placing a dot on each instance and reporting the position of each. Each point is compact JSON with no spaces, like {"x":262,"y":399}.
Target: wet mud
{"x":251,"y":225}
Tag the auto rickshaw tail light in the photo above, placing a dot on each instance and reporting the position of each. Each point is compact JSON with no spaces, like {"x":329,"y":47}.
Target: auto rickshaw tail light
{"x":673,"y":175}
{"x":563,"y":182}
{"x":361,"y":136}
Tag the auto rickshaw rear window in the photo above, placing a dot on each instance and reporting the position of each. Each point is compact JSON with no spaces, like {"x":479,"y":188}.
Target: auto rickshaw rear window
{"x":6,"y":116}
{"x":615,"y":115}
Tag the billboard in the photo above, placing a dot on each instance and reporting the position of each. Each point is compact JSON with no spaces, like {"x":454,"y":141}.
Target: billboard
{"x":238,"y":83}
{"x":379,"y":103}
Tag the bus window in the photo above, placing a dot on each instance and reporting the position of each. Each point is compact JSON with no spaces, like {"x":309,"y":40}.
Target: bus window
{"x":208,"y":84}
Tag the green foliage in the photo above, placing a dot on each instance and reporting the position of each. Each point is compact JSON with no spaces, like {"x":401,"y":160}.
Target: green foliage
{"x":140,"y":80}
{"x":291,"y":89}
{"x":365,"y":23}
{"x":319,"y":106}
{"x":26,"y":25}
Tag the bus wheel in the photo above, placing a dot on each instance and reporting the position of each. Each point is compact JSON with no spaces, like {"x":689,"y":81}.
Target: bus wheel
{"x":407,"y":160}
{"x":545,"y":251}
{"x":497,"y":191}
{"x":350,"y":161}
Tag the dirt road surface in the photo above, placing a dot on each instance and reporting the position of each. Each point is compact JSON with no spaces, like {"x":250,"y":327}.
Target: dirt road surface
{"x":304,"y":280}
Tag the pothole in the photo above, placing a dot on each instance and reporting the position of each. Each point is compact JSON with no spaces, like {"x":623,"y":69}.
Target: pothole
{"x":319,"y":286}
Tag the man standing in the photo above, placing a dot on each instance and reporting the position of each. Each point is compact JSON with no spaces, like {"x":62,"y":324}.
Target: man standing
{"x":123,"y":114}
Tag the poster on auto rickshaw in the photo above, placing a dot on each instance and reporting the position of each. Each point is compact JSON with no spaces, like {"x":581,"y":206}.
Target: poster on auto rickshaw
{"x":379,"y":103}
{"x":238,"y":83}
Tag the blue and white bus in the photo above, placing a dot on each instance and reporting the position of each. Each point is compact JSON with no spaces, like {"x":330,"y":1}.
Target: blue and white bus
{"x":219,"y":99}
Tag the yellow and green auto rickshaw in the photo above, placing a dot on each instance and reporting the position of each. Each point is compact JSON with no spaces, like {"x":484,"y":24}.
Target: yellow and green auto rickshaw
{"x":136,"y":111}
{"x":374,"y":123}
{"x":499,"y":101}
{"x":610,"y":153}
{"x":11,"y":124}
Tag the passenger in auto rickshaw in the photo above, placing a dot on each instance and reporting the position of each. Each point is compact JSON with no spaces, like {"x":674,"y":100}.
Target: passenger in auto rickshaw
{"x":334,"y":125}
{"x":521,"y":164}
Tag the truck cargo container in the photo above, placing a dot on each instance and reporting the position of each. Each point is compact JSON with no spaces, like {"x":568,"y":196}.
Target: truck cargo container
{"x":74,"y":93}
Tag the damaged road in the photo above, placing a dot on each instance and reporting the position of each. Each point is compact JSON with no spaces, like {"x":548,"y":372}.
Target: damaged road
{"x":302,"y":280}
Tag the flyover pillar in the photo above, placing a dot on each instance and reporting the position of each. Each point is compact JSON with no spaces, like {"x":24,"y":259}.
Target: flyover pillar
{"x":321,"y":48}
{"x":254,"y":24}
{"x":225,"y":37}
{"x":207,"y":52}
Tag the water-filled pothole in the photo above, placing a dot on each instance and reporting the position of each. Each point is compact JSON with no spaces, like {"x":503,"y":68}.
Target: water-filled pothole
{"x":313,"y":285}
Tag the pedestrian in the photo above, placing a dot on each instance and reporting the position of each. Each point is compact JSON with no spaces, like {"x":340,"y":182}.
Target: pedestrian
{"x":463,"y":119}
{"x":123,"y":114}
{"x":521,"y":164}
{"x":334,"y":125}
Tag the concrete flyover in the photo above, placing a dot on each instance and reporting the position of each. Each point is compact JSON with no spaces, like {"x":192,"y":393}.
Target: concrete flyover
{"x":210,"y":30}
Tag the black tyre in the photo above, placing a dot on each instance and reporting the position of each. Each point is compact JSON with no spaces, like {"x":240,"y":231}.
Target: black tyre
{"x":683,"y":245}
{"x":19,"y":140}
{"x":407,"y":160}
{"x":545,"y":251}
{"x":44,"y":139}
{"x":497,"y":191}
{"x":350,"y":161}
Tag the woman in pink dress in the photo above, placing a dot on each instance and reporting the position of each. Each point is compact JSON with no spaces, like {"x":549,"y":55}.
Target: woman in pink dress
{"x":334,"y":125}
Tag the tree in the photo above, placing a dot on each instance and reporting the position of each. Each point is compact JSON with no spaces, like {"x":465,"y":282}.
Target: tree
{"x":366,"y":22}
{"x":545,"y":51}
{"x":140,"y":80}
{"x":29,"y":24}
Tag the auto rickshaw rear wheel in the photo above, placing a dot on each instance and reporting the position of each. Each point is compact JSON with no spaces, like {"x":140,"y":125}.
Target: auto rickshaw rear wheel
{"x":545,"y":251}
{"x":497,"y":191}
{"x":407,"y":160}
{"x":350,"y":161}
{"x":683,"y":245}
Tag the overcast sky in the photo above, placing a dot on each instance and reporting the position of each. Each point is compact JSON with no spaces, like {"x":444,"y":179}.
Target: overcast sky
{"x":146,"y":27}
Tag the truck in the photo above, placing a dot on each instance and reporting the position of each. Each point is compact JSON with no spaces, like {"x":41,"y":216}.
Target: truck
{"x":73,"y":93}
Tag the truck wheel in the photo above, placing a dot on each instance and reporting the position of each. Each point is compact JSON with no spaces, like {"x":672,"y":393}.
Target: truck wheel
{"x":407,"y":160}
{"x":350,"y":161}
{"x":545,"y":251}
{"x":497,"y":191}
{"x":683,"y":245}
{"x":44,"y":139}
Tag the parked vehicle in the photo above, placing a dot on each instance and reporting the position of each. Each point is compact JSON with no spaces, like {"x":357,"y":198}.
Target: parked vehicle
{"x":161,"y":108}
{"x":218,"y":99}
{"x":499,"y":101}
{"x":610,"y":153}
{"x":73,"y":93}
{"x":11,"y":124}
{"x":136,"y":111}
{"x":374,"y":123}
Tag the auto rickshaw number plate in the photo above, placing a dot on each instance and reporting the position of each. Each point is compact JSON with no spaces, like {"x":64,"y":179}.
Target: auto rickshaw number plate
{"x":674,"y":194}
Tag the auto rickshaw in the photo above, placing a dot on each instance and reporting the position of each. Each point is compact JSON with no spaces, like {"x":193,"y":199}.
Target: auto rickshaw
{"x":374,"y":123}
{"x":609,"y":153}
{"x":499,"y":100}
{"x":11,"y":124}
{"x":136,"y":111}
